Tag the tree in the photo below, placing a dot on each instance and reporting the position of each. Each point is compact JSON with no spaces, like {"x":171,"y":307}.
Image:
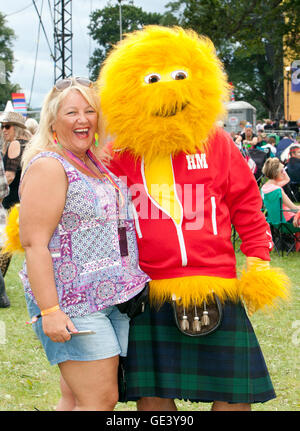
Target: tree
{"x":104,"y":28}
{"x":6,"y":63}
{"x":251,"y":37}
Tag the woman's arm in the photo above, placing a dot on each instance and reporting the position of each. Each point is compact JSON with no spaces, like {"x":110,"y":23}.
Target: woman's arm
{"x":43,"y":194}
{"x":4,"y":188}
{"x":287,"y":202}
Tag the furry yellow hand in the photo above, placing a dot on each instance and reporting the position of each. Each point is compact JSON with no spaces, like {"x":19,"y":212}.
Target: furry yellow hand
{"x":262,"y":286}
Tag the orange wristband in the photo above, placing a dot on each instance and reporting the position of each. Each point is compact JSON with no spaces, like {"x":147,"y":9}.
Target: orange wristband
{"x":50,"y":310}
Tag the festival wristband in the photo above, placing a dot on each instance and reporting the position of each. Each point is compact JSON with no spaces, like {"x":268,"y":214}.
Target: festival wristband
{"x":50,"y":310}
{"x":43,"y":313}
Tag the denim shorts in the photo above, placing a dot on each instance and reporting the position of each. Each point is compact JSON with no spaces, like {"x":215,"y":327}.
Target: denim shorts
{"x":110,"y":339}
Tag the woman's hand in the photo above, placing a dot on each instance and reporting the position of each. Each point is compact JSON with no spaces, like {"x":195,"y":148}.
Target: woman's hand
{"x":296,"y":221}
{"x":57,"y":326}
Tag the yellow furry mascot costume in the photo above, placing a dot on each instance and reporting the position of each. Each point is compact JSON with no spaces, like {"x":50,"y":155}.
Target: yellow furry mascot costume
{"x":162,"y":92}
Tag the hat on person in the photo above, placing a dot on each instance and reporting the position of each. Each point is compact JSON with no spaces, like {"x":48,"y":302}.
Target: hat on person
{"x":13,"y":118}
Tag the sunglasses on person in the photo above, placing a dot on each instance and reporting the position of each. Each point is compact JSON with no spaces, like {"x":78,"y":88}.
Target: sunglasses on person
{"x":5,"y":126}
{"x":62,"y":84}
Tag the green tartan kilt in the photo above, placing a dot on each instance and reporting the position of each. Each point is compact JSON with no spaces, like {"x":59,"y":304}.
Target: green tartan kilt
{"x":226,"y":365}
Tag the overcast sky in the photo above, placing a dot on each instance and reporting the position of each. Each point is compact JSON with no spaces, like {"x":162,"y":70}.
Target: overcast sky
{"x":21,"y":16}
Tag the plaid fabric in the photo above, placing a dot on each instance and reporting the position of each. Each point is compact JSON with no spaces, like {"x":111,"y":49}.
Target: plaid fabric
{"x":226,"y":365}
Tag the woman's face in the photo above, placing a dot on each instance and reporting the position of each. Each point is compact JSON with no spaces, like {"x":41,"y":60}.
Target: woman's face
{"x":248,"y":132}
{"x":76,"y":123}
{"x":8,"y":132}
{"x":282,"y":174}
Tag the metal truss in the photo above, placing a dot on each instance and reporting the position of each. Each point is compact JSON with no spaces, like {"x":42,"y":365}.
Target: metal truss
{"x":63,"y":61}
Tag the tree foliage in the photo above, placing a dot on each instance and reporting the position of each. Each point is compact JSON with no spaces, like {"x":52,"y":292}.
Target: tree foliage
{"x":251,"y":37}
{"x":105,"y":29}
{"x":6,"y":62}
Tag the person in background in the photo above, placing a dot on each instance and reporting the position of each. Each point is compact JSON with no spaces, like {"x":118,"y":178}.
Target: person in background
{"x":293,"y":170}
{"x":32,"y":125}
{"x":284,"y":142}
{"x":249,"y":138}
{"x":283,"y":125}
{"x":268,"y":124}
{"x":4,"y":190}
{"x":267,"y":144}
{"x":277,"y":176}
{"x":16,"y":137}
{"x":80,"y":248}
{"x":259,"y":126}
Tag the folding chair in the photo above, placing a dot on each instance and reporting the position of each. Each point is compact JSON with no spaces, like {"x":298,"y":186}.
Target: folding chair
{"x":283,"y":232}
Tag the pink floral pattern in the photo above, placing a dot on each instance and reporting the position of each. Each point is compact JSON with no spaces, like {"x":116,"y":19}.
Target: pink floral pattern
{"x":89,"y":271}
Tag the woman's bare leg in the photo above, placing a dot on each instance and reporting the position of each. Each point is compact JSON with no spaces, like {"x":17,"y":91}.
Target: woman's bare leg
{"x":94,"y":384}
{"x":67,"y":401}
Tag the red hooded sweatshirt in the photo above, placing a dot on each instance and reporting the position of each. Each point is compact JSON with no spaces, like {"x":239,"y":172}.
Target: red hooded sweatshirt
{"x":215,"y":189}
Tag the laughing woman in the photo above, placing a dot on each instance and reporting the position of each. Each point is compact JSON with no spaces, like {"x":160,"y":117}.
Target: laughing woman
{"x":76,"y":270}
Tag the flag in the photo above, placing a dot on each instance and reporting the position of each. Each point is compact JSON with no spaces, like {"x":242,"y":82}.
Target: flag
{"x":19,"y":103}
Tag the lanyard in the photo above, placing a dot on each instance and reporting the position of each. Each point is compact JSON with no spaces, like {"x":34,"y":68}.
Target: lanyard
{"x":100,"y":168}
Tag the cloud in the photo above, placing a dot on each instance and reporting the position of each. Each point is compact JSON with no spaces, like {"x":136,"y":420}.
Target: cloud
{"x":25,"y":25}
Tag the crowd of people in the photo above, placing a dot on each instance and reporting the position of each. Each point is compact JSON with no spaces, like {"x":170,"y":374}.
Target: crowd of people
{"x":269,"y":140}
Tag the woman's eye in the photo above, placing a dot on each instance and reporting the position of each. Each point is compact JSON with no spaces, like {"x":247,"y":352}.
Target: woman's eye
{"x":179,"y":74}
{"x":152,"y":78}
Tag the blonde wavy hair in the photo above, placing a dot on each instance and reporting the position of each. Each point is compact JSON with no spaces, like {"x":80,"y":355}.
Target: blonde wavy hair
{"x":21,"y":133}
{"x":271,"y":168}
{"x":43,"y":139}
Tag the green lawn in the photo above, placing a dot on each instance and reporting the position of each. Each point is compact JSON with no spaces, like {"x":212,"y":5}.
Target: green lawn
{"x":28,"y":382}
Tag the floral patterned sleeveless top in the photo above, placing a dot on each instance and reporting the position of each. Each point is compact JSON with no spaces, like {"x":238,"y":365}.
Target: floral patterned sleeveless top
{"x":91,"y":270}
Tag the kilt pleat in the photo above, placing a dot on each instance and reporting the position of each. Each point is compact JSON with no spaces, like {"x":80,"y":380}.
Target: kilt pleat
{"x":226,"y":365}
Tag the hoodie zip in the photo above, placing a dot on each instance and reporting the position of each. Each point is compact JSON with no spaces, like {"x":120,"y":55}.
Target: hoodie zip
{"x":177,"y":226}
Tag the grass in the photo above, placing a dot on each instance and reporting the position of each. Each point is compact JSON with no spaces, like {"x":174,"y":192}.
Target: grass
{"x":28,"y":382}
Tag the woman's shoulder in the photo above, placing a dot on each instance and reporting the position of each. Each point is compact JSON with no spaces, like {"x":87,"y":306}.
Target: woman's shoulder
{"x":50,"y":157}
{"x":47,"y":161}
{"x":14,"y":149}
{"x":44,"y":173}
{"x":269,"y":187}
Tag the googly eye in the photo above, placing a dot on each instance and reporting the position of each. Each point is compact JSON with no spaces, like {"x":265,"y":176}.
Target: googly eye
{"x":152,"y":78}
{"x":179,"y":74}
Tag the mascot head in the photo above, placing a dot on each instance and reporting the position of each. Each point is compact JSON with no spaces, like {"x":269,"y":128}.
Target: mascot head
{"x":162,"y":90}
